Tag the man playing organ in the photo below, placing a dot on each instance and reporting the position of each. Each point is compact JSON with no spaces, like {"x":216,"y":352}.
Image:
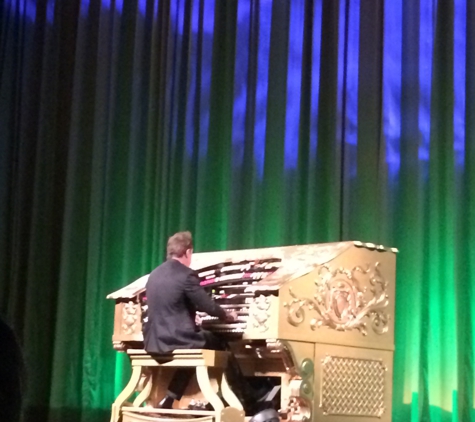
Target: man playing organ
{"x":174,"y":294}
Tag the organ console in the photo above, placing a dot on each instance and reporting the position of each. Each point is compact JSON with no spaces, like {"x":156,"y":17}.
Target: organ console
{"x":316,"y":320}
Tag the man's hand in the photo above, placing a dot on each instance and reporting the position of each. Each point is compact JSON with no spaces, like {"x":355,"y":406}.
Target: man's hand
{"x":198,"y":320}
{"x":231,"y":316}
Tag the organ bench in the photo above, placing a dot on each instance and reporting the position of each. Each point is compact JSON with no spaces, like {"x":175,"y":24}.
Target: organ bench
{"x":210,"y":376}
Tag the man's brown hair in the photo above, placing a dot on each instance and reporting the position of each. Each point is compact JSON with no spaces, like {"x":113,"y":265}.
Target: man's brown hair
{"x":178,"y":244}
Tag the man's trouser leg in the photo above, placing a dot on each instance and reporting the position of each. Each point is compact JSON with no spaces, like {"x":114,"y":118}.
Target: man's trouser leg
{"x":179,"y":382}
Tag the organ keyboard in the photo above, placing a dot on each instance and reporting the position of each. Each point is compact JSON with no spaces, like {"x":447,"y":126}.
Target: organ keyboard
{"x":316,"y":319}
{"x":230,"y":284}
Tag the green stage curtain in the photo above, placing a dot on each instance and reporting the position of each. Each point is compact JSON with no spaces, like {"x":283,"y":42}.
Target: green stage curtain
{"x":251,"y":123}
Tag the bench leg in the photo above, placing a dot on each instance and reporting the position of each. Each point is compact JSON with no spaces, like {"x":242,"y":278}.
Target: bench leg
{"x":229,"y":395}
{"x":143,"y":395}
{"x":115,"y":413}
{"x":126,"y":393}
{"x":208,"y":391}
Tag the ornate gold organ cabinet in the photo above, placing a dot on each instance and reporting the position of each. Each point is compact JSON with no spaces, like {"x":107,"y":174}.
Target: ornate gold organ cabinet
{"x":319,"y":319}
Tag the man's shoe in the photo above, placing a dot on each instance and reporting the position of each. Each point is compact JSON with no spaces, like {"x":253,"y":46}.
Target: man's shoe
{"x":267,"y":415}
{"x":166,"y":403}
{"x":199,"y":405}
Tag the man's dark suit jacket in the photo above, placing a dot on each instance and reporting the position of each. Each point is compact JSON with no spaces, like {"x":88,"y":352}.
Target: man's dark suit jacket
{"x":174,"y":295}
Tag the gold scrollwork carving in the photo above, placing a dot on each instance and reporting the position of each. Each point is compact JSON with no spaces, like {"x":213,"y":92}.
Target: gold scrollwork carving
{"x":340,"y":301}
{"x":261,"y":312}
{"x":129,"y":317}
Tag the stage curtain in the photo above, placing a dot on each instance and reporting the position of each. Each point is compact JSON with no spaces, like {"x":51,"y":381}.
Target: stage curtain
{"x":251,"y":123}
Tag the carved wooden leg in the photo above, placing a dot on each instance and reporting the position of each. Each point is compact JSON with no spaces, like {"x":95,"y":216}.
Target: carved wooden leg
{"x":115,"y":413}
{"x":126,"y":393}
{"x":208,"y":391}
{"x":229,"y":395}
{"x":144,"y":393}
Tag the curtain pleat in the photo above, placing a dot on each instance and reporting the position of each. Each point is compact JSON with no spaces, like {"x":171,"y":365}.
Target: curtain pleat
{"x":251,"y":123}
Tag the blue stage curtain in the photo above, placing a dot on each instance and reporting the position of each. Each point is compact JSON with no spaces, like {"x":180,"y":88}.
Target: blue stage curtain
{"x":252,"y":123}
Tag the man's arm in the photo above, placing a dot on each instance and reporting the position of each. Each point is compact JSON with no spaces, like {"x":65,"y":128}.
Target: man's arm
{"x":200,"y":298}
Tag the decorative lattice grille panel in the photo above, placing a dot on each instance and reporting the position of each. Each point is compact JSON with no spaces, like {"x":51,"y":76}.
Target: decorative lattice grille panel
{"x":352,"y":386}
